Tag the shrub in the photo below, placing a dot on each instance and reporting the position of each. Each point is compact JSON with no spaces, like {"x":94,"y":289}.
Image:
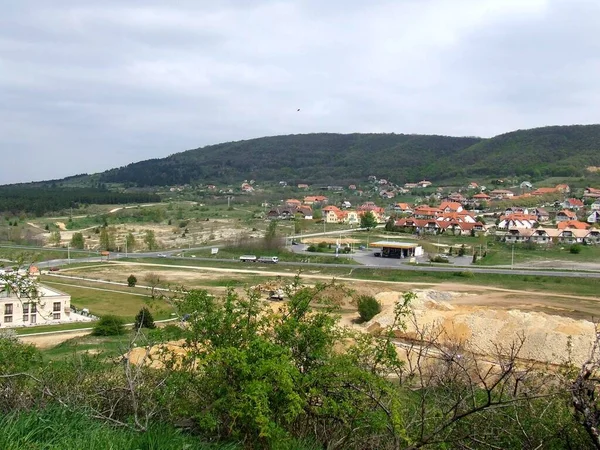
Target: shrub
{"x":368,"y":307}
{"x":439,"y":259}
{"x":131,"y":280}
{"x":575,"y":249}
{"x":462,"y":250}
{"x":465,"y":274}
{"x":311,"y":248}
{"x":144,"y":319}
{"x":109,"y":325}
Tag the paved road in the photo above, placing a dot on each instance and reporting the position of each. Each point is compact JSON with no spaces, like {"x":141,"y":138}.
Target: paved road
{"x":365,"y":258}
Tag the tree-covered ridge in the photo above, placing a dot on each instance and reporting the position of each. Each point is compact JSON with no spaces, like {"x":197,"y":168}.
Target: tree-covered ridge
{"x":38,"y":201}
{"x":340,"y":158}
{"x":313,"y":158}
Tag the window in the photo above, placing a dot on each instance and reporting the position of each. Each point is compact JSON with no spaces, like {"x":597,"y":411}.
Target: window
{"x":25,"y":308}
{"x":33,"y":308}
{"x":32,"y":319}
{"x":7,"y":319}
{"x":56,"y":316}
{"x":25,"y":318}
{"x":56,"y":307}
{"x":8,"y":308}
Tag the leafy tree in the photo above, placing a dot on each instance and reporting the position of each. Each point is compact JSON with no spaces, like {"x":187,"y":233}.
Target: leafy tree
{"x":368,"y":220}
{"x":109,"y":325}
{"x":55,"y":238}
{"x":131,"y":280}
{"x":77,"y":241}
{"x":130,"y":240}
{"x":153,"y":281}
{"x":575,"y":249}
{"x":144,"y":319}
{"x":104,"y":239}
{"x":150,"y":240}
{"x":368,"y":307}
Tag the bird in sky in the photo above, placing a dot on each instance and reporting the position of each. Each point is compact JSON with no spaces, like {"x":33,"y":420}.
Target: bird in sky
{"x":298,"y":109}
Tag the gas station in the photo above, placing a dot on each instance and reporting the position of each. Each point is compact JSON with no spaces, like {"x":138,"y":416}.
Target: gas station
{"x":395,"y":249}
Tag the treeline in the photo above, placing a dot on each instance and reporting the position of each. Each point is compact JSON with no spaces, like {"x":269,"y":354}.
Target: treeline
{"x":39,"y":201}
{"x":348,"y":158}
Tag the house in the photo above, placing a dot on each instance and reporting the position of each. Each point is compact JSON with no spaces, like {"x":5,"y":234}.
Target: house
{"x":419,"y":226}
{"x":352,"y":187}
{"x":501,"y":194}
{"x":211,"y":187}
{"x":573,"y":204}
{"x":542,"y":214}
{"x":351,"y":217}
{"x":305,"y":212}
{"x":544,"y":235}
{"x":595,"y":206}
{"x":594,"y":217}
{"x":403,"y":208}
{"x":473,"y":185}
{"x":565,"y":215}
{"x":302,"y":186}
{"x":292,"y":202}
{"x":387,"y":194}
{"x":593,"y":237}
{"x":461,"y":228}
{"x":572,"y":236}
{"x":282,"y":213}
{"x":315,"y":199}
{"x":461,"y":217}
{"x":410,"y":185}
{"x":448,"y":207}
{"x":346,"y":204}
{"x":563,"y":188}
{"x":377,"y":211}
{"x":49,"y":306}
{"x":332,"y":214}
{"x":478,"y":198}
{"x":572,"y":224}
{"x":283,"y":183}
{"x":424,"y":184}
{"x":518,"y":235}
{"x":514,"y":221}
{"x":426,"y":212}
{"x":247,"y":187}
{"x":591,"y":193}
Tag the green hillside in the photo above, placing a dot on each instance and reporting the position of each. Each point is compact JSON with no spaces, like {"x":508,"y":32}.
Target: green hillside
{"x":339,"y":158}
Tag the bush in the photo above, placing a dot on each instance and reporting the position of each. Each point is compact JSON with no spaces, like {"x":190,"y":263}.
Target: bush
{"x":462,"y":250}
{"x":575,"y":249}
{"x":109,"y":325}
{"x":131,"y":280}
{"x":368,"y":307}
{"x":311,"y":248}
{"x":144,"y":319}
{"x":439,"y":259}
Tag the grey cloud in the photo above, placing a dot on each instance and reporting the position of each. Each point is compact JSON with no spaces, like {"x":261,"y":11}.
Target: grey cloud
{"x":86,"y":86}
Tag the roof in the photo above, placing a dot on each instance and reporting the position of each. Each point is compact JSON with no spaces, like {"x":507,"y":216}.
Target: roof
{"x":575,"y":202}
{"x":394,"y":244}
{"x":543,"y":191}
{"x":482,"y":195}
{"x":576,"y":224}
{"x":567,"y":213}
{"x":451,"y":205}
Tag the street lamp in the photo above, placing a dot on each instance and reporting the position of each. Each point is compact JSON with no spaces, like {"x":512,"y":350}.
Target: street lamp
{"x":512,"y":257}
{"x":69,"y":252}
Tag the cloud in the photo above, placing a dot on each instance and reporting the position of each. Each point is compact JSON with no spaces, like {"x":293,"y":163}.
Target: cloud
{"x":85,"y":87}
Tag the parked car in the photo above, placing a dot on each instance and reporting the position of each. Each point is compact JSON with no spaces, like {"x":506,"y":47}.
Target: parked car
{"x":162,"y":255}
{"x":53,"y":269}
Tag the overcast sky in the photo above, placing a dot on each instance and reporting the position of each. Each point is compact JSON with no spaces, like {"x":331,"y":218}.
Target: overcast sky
{"x":90,"y":85}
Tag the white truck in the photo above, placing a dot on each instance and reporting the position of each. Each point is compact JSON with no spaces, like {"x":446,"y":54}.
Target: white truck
{"x":248,"y":258}
{"x":268,"y":259}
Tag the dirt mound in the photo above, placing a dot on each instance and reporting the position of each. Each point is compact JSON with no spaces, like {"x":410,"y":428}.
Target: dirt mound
{"x":548,"y":338}
{"x":170,"y":354}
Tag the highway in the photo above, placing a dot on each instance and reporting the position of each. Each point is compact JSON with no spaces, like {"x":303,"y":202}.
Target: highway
{"x":368,"y":262}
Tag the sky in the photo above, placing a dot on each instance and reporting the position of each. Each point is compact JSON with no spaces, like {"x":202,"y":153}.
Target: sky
{"x":86,"y":86}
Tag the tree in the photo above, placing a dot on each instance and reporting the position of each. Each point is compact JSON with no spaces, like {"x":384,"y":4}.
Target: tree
{"x":368,"y":220}
{"x":153,"y":281}
{"x":109,"y":325}
{"x":131,"y":280}
{"x":144,"y":319}
{"x":150,"y":240}
{"x":55,"y":238}
{"x":368,"y":307}
{"x":104,"y":239}
{"x":130,"y":241}
{"x":77,"y":241}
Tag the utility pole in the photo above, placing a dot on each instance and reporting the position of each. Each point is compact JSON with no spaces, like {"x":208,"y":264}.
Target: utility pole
{"x":125,"y":246}
{"x":512,"y":258}
{"x":69,"y":253}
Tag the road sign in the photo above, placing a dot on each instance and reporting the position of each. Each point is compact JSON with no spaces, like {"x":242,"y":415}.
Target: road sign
{"x":214,"y":250}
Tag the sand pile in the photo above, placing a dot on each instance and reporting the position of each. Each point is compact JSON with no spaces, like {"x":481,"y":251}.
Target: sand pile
{"x":548,"y":338}
{"x":170,"y":354}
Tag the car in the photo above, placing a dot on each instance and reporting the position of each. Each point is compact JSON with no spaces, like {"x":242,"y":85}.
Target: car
{"x":53,"y":269}
{"x":377,"y":254}
{"x":162,"y":255}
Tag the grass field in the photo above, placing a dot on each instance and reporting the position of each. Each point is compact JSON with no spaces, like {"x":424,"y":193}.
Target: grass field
{"x":125,"y":305}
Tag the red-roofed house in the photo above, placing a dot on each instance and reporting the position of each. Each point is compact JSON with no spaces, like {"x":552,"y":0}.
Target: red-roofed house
{"x":573,"y":203}
{"x":315,"y":199}
{"x":426,"y":212}
{"x":565,"y":215}
{"x":574,"y":224}
{"x":544,"y":191}
{"x":591,"y":193}
{"x":448,"y":207}
{"x":404,"y":208}
{"x":564,"y":188}
{"x":292,"y":202}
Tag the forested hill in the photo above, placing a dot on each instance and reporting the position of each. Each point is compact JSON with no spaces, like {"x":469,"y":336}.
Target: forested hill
{"x":324,"y":157}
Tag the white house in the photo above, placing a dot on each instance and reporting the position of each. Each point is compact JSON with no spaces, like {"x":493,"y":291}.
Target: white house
{"x":45,"y":306}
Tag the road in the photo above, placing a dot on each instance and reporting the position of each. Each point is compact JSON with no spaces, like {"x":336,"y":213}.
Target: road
{"x":367,"y":262}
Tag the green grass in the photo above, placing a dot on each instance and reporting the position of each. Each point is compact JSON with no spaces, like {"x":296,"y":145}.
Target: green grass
{"x":120,"y":304}
{"x":60,"y":327}
{"x":284,"y":255}
{"x":59,"y":429}
{"x":501,"y":254}
{"x":35,"y":254}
